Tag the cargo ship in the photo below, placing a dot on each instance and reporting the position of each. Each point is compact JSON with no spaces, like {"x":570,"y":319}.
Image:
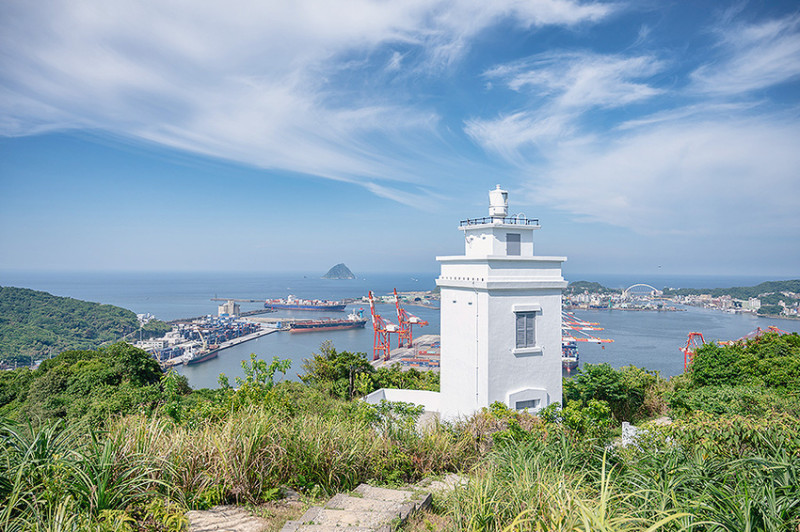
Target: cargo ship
{"x":569,"y":354}
{"x":292,"y":303}
{"x":203,"y":356}
{"x":353,"y":321}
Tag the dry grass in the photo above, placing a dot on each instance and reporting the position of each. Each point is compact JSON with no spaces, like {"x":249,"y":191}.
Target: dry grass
{"x":276,"y":513}
{"x":427,"y":521}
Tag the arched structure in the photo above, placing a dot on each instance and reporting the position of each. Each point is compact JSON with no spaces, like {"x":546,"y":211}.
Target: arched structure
{"x":650,"y":290}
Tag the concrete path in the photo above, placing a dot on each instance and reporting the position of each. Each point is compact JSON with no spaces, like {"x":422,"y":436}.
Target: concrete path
{"x":366,"y":509}
{"x":225,"y":519}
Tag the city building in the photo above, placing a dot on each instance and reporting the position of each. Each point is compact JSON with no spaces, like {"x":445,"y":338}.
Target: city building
{"x":229,"y":309}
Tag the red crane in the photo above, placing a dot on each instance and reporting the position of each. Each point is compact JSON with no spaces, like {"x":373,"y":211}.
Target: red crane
{"x":382,"y":328}
{"x":569,"y":322}
{"x":694,"y":341}
{"x":406,"y":321}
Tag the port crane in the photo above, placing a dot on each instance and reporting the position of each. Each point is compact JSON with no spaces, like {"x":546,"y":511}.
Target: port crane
{"x":694,"y":341}
{"x":407,"y":322}
{"x":571,"y":325}
{"x":383,"y":329}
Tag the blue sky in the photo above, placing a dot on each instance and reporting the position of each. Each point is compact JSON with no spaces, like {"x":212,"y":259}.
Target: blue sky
{"x":647,"y":137}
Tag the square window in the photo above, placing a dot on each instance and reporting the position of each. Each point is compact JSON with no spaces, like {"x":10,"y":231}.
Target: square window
{"x":526,"y":329}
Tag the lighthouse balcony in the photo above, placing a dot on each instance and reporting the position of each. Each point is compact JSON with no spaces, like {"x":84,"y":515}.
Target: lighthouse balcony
{"x":494,"y":220}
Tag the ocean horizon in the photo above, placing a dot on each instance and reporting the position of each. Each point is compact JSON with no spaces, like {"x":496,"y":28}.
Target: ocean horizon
{"x":168,"y":294}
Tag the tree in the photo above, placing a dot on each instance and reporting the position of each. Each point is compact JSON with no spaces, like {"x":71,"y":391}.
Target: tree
{"x":336,"y":372}
{"x":93,"y":384}
{"x":623,"y":390}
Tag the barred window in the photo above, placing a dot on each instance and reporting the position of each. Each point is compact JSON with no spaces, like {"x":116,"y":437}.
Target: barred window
{"x":526,"y":329}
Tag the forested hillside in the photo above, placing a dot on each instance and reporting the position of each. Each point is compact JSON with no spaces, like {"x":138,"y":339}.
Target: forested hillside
{"x":740,"y":292}
{"x":36,"y":324}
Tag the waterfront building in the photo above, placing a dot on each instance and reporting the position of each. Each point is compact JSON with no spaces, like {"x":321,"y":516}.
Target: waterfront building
{"x":229,"y":309}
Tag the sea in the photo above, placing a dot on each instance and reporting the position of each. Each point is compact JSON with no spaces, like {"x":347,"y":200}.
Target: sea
{"x":646,"y":339}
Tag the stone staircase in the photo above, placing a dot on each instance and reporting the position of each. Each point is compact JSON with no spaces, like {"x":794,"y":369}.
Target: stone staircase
{"x":366,"y":509}
{"x":225,"y":519}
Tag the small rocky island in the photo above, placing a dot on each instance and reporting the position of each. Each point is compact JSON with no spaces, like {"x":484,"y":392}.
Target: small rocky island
{"x":340,"y":271}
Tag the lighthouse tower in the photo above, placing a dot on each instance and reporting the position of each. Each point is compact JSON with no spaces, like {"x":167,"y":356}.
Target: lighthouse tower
{"x":500,"y":317}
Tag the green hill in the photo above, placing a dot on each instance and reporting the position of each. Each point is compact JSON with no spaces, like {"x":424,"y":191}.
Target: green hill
{"x":35,"y":324}
{"x":740,"y":292}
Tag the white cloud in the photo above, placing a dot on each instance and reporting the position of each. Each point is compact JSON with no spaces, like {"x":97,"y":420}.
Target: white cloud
{"x":395,"y":61}
{"x":752,"y":57}
{"x":677,"y":164}
{"x":583,"y":79}
{"x":732,"y":176}
{"x":265,"y":84}
{"x":561,"y":88}
{"x":507,"y":134}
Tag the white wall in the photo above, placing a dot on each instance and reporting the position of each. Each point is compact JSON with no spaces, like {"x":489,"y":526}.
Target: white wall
{"x":480,"y":363}
{"x":490,"y":239}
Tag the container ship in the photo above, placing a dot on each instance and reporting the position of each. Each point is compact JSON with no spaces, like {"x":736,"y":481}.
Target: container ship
{"x":569,"y":354}
{"x":292,"y":303}
{"x":202,"y":356}
{"x":353,"y":321}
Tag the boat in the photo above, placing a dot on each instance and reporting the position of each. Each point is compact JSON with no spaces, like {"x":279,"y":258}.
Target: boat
{"x":292,"y":303}
{"x":353,"y":321}
{"x":203,"y":356}
{"x":569,"y":355}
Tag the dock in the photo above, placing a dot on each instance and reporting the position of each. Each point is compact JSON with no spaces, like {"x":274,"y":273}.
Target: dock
{"x":264,"y":331}
{"x":424,"y":354}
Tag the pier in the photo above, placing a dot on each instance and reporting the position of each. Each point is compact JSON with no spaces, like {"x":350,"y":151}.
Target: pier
{"x":264,"y":331}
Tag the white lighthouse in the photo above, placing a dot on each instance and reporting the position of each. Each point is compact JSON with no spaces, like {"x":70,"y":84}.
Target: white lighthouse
{"x":500,"y":317}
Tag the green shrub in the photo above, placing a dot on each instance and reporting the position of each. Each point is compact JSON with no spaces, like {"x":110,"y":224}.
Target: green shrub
{"x":623,"y":390}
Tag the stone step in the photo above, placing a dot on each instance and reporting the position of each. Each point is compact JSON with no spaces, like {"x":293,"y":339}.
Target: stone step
{"x":342,"y":501}
{"x":330,"y":528}
{"x":383,"y":494}
{"x":369,"y":509}
{"x":225,"y":519}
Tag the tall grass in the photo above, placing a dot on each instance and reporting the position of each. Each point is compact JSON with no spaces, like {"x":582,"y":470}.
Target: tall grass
{"x":58,"y":478}
{"x":254,"y":450}
{"x":561,"y":483}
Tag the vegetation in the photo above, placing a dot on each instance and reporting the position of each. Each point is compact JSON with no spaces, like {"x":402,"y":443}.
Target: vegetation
{"x":728,"y":461}
{"x":740,"y":292}
{"x":348,"y":375}
{"x":35,"y":325}
{"x":90,"y":386}
{"x":578,"y":287}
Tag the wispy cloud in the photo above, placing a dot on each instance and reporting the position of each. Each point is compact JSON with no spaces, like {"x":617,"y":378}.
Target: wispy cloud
{"x":584,"y":79}
{"x":274,"y":85}
{"x":561,"y":87}
{"x":752,"y":57}
{"x":686,"y":176}
{"x":681,"y":159}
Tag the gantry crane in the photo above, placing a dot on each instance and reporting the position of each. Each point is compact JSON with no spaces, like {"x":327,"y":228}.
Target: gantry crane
{"x":570,"y":323}
{"x":694,"y":341}
{"x":383,"y":329}
{"x":407,"y":322}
